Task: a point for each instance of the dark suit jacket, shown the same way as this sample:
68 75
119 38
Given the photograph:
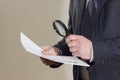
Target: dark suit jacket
103 29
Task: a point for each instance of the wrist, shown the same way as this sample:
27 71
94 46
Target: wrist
58 51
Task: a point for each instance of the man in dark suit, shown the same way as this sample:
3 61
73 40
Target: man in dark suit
95 37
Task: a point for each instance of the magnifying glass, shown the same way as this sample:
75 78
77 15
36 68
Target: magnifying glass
60 28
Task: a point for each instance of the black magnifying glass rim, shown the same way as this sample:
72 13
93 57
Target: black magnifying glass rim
63 25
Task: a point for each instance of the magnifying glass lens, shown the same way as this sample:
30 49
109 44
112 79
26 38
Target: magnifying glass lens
60 29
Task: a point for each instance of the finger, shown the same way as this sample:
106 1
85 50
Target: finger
44 47
74 43
71 44
47 51
71 38
75 54
68 39
73 49
50 51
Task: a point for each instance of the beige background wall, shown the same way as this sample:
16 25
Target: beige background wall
34 18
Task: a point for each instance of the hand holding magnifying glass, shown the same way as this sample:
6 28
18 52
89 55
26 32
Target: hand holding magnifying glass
78 44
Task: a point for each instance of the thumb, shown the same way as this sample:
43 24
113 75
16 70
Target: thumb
45 47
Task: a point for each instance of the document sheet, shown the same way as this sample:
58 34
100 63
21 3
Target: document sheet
33 48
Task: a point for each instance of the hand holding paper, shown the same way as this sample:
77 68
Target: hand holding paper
31 47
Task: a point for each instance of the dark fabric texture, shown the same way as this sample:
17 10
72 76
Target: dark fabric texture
103 29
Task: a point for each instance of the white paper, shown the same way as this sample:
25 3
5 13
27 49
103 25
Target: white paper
31 47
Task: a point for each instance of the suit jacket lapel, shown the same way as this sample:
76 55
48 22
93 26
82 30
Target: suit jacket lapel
76 11
81 5
102 3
